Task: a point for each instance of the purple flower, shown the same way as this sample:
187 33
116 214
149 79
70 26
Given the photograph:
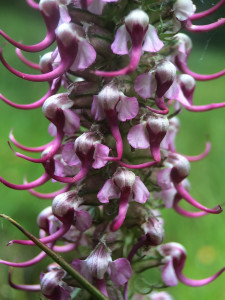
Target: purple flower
174 257
52 285
123 185
143 37
100 262
149 133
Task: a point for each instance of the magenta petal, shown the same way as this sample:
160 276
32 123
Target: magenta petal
83 220
120 271
119 46
101 152
81 267
85 57
108 191
152 42
69 155
141 193
72 121
127 108
97 110
138 137
145 85
168 274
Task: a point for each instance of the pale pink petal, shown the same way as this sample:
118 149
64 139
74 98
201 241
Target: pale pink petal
86 55
138 137
163 178
127 108
141 193
119 46
183 9
83 220
173 91
96 7
120 271
97 110
81 267
145 85
69 155
168 196
108 191
64 15
52 129
152 42
101 152
72 121
168 274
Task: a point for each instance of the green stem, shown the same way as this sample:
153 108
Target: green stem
59 260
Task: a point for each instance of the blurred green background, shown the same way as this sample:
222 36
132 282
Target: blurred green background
203 238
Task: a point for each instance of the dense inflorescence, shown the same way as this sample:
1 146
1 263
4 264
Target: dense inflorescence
123 65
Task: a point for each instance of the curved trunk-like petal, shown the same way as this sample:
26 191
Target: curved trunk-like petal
186 196
35 104
197 282
184 69
44 178
185 213
51 238
207 12
26 61
123 206
25 264
25 148
204 28
49 195
200 156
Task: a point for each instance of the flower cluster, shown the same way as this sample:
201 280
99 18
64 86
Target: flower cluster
121 67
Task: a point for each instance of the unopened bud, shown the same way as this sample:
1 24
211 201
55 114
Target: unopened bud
123 178
181 167
165 74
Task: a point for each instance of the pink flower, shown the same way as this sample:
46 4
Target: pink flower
123 185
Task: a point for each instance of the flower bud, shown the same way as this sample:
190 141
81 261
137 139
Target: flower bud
64 203
135 18
184 43
42 219
165 74
157 125
123 178
187 84
67 33
45 63
86 142
181 167
183 9
53 103
154 230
